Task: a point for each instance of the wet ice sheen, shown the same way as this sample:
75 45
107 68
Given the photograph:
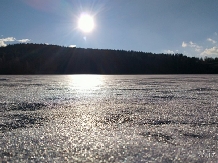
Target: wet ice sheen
97 118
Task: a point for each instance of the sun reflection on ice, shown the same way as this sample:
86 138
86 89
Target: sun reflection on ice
86 82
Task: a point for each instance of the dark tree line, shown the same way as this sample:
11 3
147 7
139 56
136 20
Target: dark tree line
53 59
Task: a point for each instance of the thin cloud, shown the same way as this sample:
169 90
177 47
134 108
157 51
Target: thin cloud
210 51
211 40
191 44
23 40
169 51
194 45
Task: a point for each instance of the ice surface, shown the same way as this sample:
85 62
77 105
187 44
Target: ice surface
106 118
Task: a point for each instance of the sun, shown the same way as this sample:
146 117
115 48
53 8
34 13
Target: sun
86 23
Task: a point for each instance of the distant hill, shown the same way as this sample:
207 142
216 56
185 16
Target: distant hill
53 59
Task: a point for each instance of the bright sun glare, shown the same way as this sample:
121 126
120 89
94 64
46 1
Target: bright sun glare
86 82
86 23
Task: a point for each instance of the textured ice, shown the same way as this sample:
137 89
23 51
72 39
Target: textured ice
97 118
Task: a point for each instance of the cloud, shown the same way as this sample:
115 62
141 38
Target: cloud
193 48
211 40
192 45
2 44
184 44
72 46
8 39
23 40
210 52
3 41
169 51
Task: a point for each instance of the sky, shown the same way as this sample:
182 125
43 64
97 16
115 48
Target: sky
189 27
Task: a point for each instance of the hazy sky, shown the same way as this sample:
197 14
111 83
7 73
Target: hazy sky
160 26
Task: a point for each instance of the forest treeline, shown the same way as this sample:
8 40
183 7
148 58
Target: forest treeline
53 59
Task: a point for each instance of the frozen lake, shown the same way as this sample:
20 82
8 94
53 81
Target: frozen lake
109 118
